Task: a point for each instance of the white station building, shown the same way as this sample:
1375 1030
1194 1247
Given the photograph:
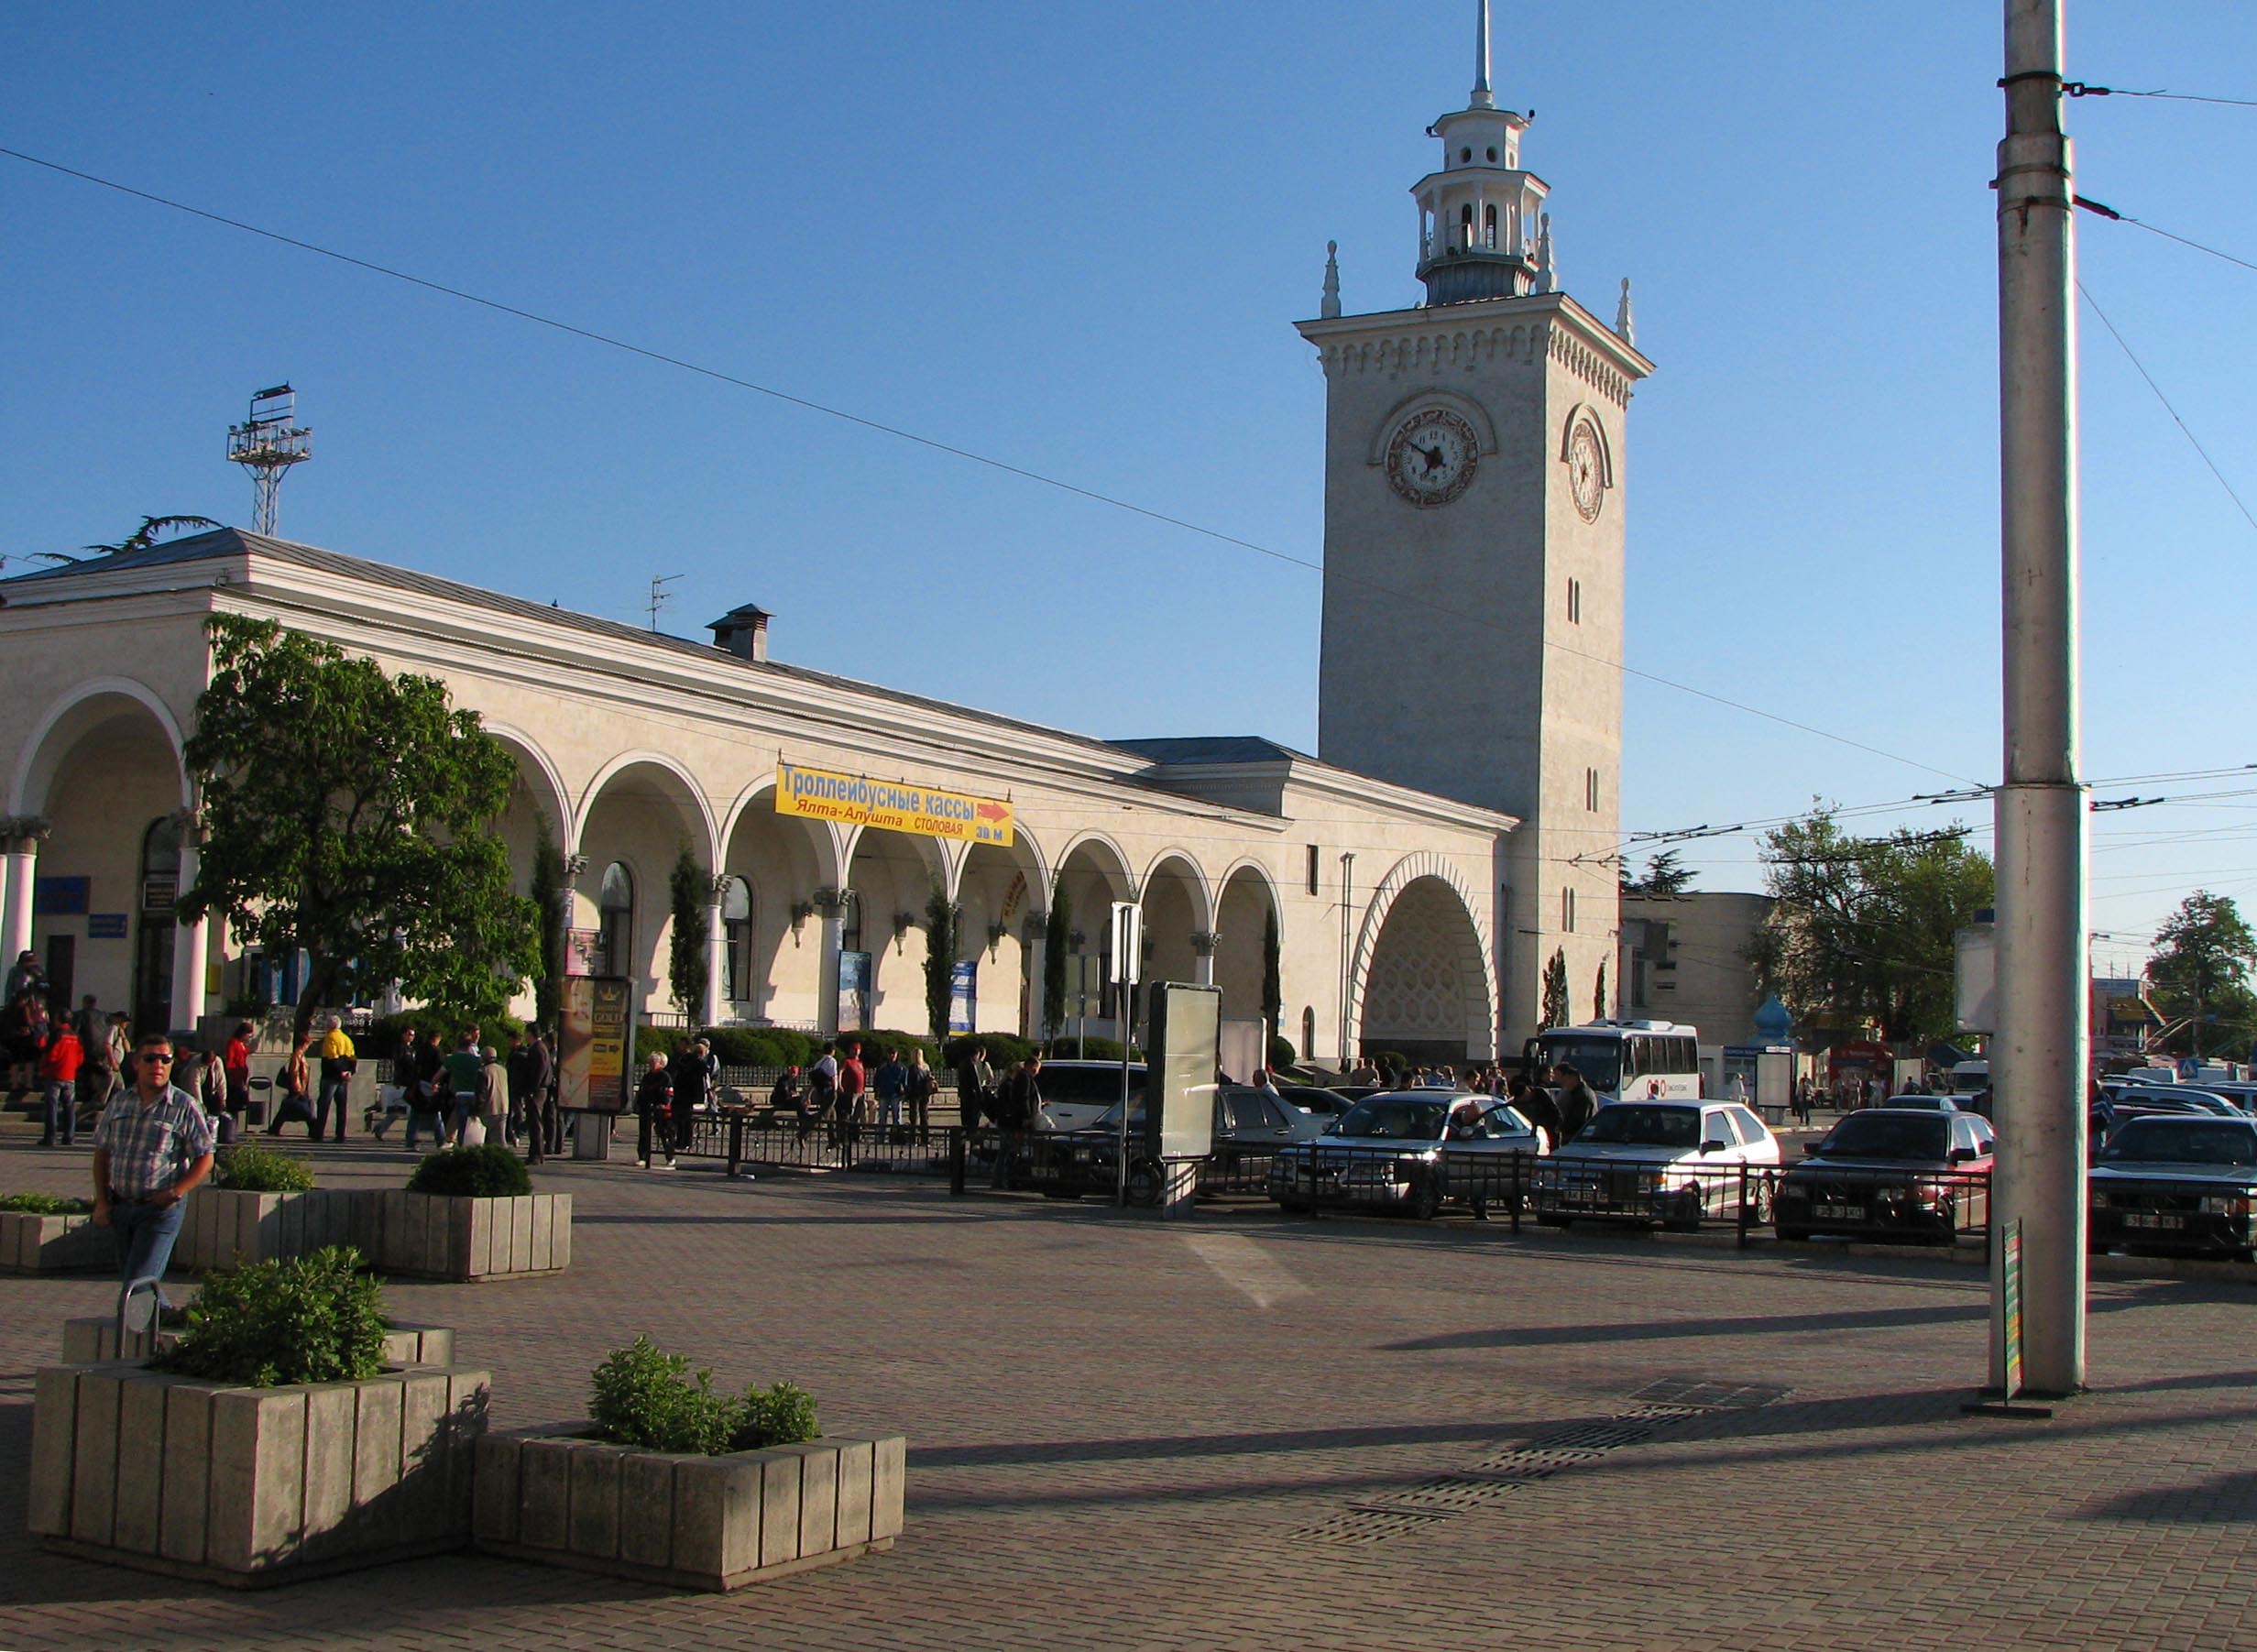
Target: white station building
1446 841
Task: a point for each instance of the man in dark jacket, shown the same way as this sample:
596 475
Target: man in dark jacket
1576 1101
1537 1106
530 1071
973 1076
655 1112
1017 1105
694 1070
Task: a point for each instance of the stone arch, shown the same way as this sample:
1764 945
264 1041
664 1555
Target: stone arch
891 875
1248 898
1178 911
537 797
638 810
1005 889
1432 977
1094 873
75 714
771 967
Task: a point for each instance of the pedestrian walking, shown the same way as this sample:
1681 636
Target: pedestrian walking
102 1056
296 1105
490 1110
58 1075
823 1092
235 1063
655 1112
462 1065
853 1092
152 1148
693 1071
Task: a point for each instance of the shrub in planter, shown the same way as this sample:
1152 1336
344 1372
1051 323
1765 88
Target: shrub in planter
45 1204
313 1318
642 1396
247 1168
491 1171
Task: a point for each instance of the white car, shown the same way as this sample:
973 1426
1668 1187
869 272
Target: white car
1675 1163
1076 1094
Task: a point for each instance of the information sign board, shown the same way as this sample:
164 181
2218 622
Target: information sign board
591 1054
1180 1055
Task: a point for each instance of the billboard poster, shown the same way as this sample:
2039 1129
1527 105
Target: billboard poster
591 1043
963 994
891 806
853 991
1179 1070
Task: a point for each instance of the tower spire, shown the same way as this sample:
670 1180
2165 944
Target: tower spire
1482 97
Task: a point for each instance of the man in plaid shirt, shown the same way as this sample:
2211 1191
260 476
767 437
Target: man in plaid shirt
152 1147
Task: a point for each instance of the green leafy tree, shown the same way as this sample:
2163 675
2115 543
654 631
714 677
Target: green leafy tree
2200 975
350 814
1862 928
940 943
1555 992
548 899
688 962
1057 934
1665 875
1273 990
1599 994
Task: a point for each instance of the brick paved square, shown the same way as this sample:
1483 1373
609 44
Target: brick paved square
1244 1432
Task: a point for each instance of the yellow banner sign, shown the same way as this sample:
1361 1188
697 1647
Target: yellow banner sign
891 805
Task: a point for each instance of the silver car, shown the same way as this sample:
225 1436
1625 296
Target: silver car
1414 1150
1674 1162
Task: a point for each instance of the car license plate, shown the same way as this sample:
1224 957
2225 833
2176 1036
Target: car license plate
2141 1219
1841 1213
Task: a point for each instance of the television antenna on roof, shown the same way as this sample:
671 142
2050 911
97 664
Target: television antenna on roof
266 444
660 595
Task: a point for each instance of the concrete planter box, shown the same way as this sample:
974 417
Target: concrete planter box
223 1227
399 1233
50 1245
472 1239
691 1522
251 1487
92 1340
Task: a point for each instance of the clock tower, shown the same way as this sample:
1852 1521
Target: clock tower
1473 517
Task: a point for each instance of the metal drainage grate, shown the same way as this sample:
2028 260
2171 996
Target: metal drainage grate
1710 1396
1417 1507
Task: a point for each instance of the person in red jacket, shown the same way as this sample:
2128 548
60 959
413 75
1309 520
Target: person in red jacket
58 1071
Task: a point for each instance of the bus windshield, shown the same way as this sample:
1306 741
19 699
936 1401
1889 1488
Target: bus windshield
1599 1060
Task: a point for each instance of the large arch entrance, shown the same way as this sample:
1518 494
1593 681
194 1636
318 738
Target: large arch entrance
1243 914
1422 984
890 879
638 815
1093 875
772 951
96 854
1001 899
1179 924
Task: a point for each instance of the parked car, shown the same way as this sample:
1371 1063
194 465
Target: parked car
1316 1098
1934 1104
1074 1093
1248 1127
1411 1149
1667 1161
1891 1170
2185 1183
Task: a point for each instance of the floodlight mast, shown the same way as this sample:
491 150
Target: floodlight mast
266 444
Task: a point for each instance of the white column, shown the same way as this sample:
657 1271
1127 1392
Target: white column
1032 954
717 956
826 965
190 946
23 854
1203 959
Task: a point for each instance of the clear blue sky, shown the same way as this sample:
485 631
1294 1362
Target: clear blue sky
1073 236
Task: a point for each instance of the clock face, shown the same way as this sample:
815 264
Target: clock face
1586 471
1431 459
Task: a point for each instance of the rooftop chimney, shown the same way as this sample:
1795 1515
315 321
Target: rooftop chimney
743 633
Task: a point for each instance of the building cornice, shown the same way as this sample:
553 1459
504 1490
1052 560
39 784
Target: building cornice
1438 336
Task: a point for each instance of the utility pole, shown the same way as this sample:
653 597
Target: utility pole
2038 1060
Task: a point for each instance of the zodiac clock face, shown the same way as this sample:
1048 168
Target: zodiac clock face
1586 471
1433 457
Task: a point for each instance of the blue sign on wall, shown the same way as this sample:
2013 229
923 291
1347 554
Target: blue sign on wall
60 897
963 994
105 926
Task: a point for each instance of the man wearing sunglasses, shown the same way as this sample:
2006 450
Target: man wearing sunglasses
152 1147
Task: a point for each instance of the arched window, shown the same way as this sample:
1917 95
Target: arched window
615 918
1465 224
737 931
1309 1033
1489 227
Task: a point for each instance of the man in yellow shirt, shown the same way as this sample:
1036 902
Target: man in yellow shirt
337 1068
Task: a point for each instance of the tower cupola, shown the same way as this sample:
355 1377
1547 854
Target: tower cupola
1481 217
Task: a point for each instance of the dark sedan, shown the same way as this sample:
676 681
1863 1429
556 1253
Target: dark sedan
1891 1172
2181 1183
